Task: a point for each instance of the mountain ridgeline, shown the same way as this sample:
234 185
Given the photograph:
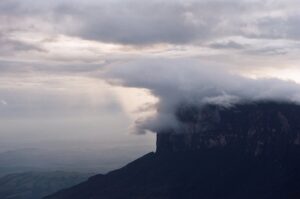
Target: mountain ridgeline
247 151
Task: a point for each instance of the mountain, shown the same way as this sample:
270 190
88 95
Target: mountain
265 128
35 185
247 151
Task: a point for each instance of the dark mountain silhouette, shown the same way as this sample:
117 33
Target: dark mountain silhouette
246 151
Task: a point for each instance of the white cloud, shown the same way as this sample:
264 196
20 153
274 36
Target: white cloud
175 82
53 50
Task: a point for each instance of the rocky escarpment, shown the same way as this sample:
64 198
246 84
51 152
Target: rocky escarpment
259 129
246 151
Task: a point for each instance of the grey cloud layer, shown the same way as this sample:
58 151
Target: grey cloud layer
178 22
146 22
11 46
33 33
32 104
192 82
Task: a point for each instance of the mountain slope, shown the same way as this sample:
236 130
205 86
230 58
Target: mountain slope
247 151
210 174
35 185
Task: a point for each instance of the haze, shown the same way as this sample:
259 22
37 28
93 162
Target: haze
82 75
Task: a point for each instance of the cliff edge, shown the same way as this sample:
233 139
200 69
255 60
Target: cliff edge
244 151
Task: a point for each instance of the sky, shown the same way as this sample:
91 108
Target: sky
91 71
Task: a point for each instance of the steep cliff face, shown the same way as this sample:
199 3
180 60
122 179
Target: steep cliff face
247 151
265 128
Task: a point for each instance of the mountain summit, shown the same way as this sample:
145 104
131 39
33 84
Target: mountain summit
258 129
244 151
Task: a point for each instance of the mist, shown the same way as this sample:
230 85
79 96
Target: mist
192 83
56 55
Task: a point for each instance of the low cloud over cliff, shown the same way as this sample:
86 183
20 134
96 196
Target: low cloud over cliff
193 83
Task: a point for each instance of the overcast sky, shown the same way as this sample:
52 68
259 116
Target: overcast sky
68 68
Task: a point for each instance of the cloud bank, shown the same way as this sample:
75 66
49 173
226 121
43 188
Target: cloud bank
50 49
133 22
192 83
